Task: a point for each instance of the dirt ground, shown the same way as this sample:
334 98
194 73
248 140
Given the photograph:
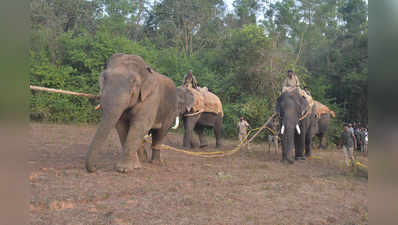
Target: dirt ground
249 187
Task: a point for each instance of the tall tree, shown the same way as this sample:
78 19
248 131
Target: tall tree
180 22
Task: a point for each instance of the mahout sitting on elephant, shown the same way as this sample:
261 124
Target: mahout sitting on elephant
298 124
136 100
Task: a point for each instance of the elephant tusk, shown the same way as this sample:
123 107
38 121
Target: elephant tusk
194 114
283 129
298 129
177 123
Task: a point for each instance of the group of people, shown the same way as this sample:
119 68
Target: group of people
353 137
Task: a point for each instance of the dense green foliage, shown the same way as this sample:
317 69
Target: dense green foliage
241 56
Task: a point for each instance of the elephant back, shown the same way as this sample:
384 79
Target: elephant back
206 101
323 109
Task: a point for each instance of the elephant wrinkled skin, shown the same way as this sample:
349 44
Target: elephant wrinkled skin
136 101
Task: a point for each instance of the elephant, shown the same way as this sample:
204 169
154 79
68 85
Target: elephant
325 114
298 125
322 128
197 121
136 101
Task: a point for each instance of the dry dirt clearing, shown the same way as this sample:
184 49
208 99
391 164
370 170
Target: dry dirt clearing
249 187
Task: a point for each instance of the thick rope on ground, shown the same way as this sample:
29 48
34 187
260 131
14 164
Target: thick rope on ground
219 153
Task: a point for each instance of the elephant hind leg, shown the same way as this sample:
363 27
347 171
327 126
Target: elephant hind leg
158 136
218 131
299 142
308 144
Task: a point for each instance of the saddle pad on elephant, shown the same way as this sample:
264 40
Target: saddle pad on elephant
206 101
323 109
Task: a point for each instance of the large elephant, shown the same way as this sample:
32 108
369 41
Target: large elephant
197 121
298 125
135 100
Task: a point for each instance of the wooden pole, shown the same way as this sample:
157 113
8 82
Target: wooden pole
63 92
261 128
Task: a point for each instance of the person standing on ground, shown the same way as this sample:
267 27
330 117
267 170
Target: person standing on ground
243 126
348 142
273 138
364 140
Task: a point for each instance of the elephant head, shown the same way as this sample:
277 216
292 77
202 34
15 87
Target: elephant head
290 107
185 102
126 81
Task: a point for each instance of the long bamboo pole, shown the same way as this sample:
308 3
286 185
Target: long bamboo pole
62 91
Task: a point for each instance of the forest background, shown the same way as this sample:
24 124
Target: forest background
241 50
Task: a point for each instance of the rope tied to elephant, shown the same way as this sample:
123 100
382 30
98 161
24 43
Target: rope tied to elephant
167 147
220 153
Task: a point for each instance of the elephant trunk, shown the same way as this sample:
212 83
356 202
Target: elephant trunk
289 128
287 132
110 116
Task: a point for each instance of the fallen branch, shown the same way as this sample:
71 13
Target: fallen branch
63 92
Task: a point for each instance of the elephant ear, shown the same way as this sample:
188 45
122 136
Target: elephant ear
148 86
302 104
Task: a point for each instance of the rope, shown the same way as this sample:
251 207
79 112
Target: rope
309 109
218 153
166 147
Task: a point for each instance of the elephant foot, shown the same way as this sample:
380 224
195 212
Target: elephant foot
91 167
127 165
300 158
287 161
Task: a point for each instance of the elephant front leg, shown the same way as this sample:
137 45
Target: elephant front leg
189 124
202 138
299 145
130 158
